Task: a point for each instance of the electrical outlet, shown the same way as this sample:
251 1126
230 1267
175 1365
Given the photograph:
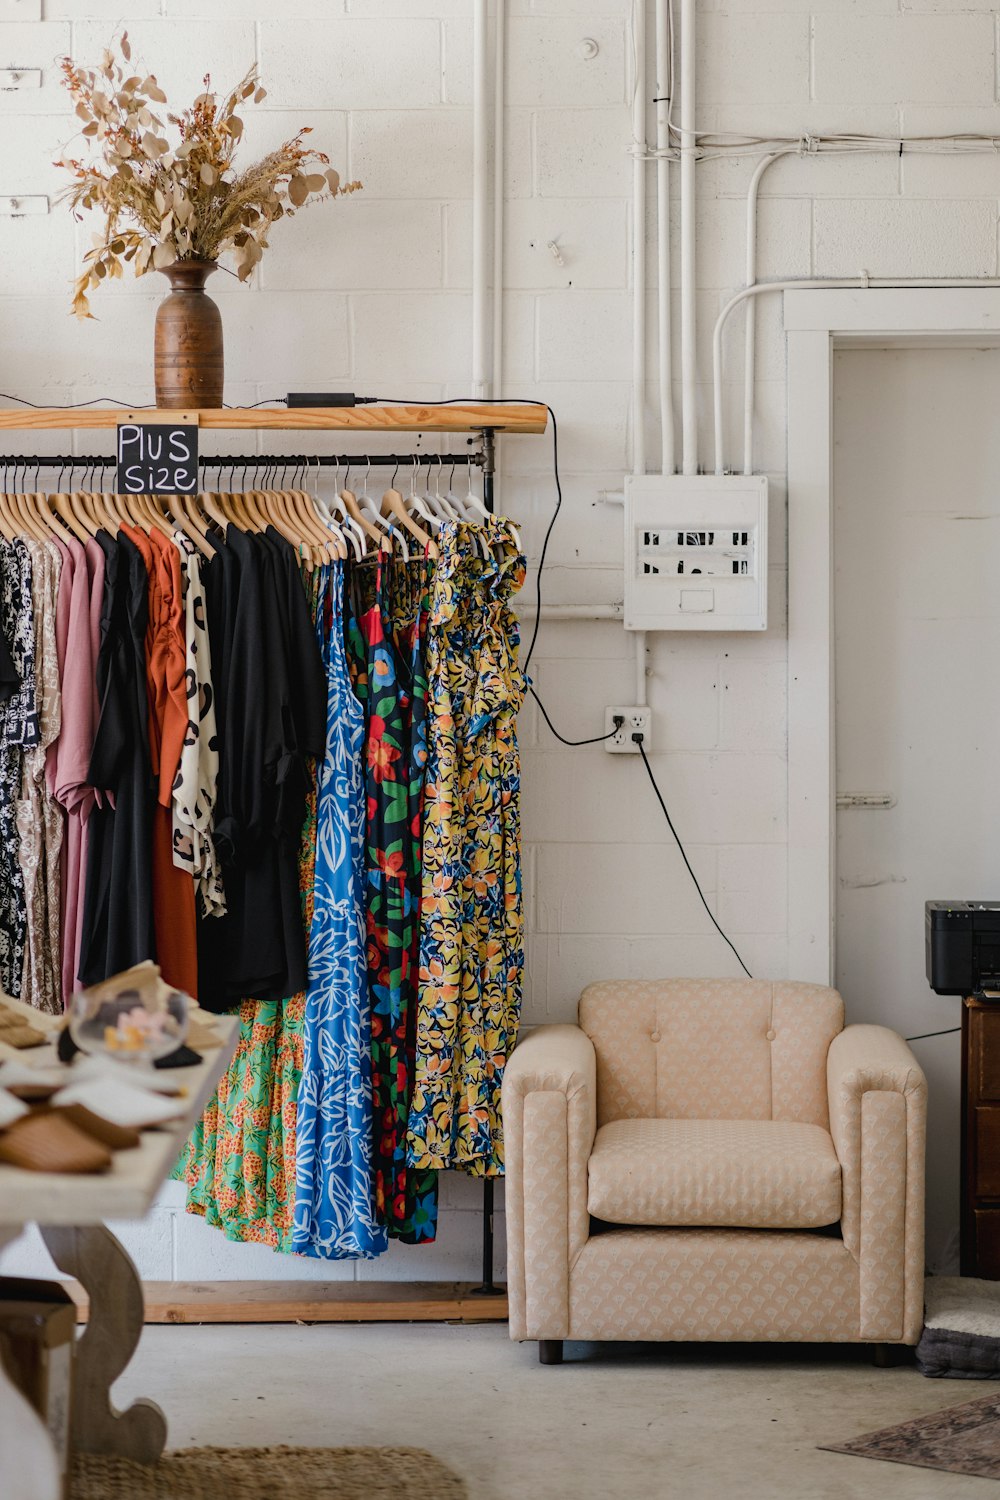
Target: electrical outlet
636 721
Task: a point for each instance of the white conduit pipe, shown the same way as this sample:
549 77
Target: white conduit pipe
480 198
499 117
668 461
640 669
806 285
639 238
689 364
527 611
750 331
639 146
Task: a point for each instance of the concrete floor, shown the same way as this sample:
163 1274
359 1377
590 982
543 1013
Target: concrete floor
643 1422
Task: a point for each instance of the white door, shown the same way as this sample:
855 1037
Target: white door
917 668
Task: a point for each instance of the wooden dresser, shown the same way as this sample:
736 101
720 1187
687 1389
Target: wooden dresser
981 1138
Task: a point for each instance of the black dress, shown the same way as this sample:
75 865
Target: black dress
117 929
273 716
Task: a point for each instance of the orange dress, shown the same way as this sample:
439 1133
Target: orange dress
166 694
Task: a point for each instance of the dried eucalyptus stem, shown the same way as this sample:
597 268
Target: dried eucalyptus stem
184 201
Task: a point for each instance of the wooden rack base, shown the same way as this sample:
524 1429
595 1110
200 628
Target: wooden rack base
314 1302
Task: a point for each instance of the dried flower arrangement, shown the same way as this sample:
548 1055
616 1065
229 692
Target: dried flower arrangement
168 203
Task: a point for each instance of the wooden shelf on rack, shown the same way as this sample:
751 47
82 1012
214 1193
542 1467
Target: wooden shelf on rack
508 418
313 1302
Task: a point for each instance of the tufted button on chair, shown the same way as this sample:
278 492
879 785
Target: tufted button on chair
716 1160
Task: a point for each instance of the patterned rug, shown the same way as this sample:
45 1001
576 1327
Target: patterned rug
960 1440
270 1474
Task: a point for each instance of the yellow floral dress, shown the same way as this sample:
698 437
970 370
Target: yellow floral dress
472 925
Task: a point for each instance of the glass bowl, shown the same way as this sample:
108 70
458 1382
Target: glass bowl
133 1017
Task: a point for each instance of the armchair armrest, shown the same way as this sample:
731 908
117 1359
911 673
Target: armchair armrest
549 1105
878 1116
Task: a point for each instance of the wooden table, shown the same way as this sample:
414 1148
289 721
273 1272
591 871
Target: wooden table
70 1210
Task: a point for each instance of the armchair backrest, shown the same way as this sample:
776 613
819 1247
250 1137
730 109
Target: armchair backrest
711 1049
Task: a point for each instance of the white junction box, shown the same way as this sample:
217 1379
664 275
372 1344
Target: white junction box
695 552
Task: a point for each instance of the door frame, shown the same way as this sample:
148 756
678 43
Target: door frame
817 322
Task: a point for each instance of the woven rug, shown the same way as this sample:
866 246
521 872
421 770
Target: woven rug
961 1440
270 1474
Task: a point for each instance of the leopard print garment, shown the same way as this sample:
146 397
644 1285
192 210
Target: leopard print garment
197 774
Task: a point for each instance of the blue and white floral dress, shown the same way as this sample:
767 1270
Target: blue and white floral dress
334 1199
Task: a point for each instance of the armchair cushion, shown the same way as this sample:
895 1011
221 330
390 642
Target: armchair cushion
745 1174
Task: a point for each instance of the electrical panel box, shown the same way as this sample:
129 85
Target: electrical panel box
695 552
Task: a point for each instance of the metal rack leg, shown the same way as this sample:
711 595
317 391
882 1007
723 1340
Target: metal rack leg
489 467
488 1288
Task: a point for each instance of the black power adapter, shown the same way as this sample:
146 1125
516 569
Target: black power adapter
327 398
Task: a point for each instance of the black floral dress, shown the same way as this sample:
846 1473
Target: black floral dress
19 731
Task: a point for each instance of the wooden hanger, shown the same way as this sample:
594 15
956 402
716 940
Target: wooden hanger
44 516
30 526
81 502
191 507
290 526
8 524
328 545
392 504
224 500
257 515
186 526
64 510
159 515
55 519
209 502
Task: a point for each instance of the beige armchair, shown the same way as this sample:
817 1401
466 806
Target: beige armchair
714 1160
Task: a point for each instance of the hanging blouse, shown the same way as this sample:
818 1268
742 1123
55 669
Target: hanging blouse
195 785
117 927
166 720
18 732
38 817
334 1197
274 720
472 945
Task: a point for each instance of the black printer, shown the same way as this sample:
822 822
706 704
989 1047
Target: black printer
962 946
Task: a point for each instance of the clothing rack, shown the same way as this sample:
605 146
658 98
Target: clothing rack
484 459
485 421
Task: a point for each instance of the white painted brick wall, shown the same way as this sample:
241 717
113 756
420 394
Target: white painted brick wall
373 294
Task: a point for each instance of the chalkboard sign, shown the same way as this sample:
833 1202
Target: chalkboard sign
157 458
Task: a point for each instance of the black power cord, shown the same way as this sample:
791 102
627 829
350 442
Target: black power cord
73 405
948 1031
637 740
598 739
